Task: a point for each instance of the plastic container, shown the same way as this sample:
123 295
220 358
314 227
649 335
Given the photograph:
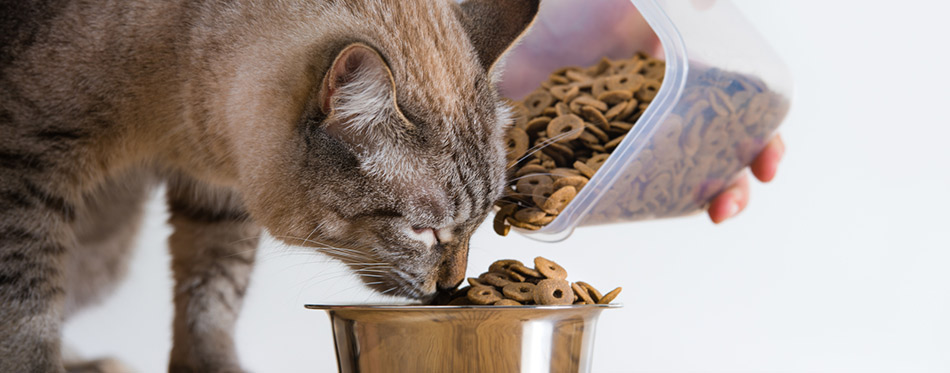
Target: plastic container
723 96
550 339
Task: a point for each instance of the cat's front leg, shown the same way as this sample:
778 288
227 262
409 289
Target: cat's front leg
213 248
34 240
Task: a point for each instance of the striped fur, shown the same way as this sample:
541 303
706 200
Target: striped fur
243 110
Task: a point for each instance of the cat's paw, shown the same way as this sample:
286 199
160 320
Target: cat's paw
104 365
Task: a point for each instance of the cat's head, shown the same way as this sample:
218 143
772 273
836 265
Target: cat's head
398 154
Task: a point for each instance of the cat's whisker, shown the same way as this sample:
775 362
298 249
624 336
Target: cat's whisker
539 147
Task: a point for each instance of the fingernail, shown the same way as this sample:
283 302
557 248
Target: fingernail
732 209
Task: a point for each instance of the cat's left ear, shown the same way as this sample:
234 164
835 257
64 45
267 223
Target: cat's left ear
494 25
358 76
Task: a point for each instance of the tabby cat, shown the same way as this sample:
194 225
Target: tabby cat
370 128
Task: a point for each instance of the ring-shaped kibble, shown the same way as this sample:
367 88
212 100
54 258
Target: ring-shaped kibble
541 193
565 128
582 101
584 169
625 82
520 224
520 291
519 114
530 169
577 182
614 143
598 132
558 200
537 101
562 172
595 116
498 279
599 86
561 91
531 215
600 68
582 293
615 97
562 109
524 270
527 184
517 277
500 226
506 302
483 295
503 265
609 297
563 150
648 90
475 282
537 125
516 141
632 106
596 161
549 269
554 154
593 292
553 292
615 111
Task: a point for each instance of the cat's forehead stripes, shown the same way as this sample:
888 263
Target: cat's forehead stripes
431 58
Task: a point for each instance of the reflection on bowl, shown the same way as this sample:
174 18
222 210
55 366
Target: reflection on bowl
464 338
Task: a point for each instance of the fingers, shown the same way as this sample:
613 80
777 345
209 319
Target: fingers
731 201
765 165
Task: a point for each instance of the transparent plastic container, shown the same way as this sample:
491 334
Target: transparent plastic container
722 98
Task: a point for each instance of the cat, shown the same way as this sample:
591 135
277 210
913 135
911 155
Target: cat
370 130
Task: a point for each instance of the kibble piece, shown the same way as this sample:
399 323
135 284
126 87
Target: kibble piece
517 143
506 302
537 101
609 297
503 265
582 293
531 215
594 294
553 292
577 182
565 127
549 269
497 279
558 200
522 292
529 272
483 295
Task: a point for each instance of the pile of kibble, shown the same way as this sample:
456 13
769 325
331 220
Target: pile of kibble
509 282
564 132
566 129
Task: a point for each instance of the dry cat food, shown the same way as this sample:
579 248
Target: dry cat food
509 282
565 131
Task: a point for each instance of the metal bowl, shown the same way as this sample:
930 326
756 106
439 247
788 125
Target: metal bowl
464 338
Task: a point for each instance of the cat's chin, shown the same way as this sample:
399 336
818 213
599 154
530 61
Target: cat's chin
398 288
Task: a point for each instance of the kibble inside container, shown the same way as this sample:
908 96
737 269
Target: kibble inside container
723 95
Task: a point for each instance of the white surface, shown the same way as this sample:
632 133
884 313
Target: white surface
841 264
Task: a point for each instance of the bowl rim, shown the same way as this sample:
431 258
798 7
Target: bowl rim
419 307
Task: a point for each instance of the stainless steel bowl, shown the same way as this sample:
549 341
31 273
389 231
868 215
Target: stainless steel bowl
464 338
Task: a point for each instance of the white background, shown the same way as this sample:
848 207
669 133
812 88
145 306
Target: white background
841 264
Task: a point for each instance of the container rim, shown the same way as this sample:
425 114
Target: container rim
393 307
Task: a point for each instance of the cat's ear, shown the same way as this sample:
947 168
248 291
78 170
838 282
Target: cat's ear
358 76
494 25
